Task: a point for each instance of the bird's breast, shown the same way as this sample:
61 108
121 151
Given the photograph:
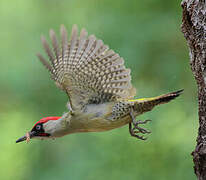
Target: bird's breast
95 118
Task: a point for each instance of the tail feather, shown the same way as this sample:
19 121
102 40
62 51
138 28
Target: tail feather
167 97
147 104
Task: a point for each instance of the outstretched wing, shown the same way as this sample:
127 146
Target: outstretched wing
86 69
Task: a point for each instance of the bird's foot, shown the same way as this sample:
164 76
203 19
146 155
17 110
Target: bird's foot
134 131
140 129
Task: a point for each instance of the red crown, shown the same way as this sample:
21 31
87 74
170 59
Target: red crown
46 119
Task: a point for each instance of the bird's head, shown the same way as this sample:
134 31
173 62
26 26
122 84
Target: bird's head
42 129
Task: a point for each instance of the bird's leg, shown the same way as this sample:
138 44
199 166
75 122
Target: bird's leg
136 127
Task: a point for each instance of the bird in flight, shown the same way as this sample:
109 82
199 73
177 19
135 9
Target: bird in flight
101 96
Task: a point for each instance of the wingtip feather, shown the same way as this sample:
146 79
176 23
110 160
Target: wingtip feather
55 44
44 62
63 29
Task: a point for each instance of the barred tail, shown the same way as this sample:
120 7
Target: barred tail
146 104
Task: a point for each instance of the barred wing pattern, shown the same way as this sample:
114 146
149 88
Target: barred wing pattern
86 69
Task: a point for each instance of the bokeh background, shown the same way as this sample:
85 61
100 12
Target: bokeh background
147 34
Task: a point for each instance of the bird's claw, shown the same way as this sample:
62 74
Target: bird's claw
135 123
140 129
134 131
143 122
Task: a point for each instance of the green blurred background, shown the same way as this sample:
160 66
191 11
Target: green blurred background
147 34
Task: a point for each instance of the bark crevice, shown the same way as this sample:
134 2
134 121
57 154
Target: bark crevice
194 30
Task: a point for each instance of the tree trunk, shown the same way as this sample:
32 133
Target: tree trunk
194 30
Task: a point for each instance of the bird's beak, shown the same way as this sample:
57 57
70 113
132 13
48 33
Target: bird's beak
23 138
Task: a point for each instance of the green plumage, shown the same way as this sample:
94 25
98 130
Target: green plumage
97 83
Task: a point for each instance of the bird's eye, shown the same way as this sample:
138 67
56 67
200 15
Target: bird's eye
38 127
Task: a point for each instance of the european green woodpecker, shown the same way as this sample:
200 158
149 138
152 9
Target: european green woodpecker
98 87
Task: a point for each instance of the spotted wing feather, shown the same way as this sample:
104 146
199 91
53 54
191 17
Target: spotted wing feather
86 69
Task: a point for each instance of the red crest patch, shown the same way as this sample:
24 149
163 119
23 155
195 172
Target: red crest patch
46 119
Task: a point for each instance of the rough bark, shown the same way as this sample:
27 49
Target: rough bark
194 30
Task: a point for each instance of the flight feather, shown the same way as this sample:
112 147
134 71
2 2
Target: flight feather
86 69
